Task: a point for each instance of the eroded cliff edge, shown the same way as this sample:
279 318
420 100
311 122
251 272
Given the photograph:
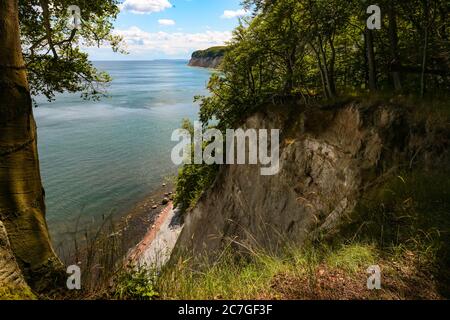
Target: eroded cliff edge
329 158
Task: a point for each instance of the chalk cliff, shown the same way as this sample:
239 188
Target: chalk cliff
328 158
209 58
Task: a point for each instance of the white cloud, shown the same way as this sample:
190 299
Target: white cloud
166 22
230 14
145 6
178 44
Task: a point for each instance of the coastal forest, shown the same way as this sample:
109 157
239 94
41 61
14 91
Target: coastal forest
360 91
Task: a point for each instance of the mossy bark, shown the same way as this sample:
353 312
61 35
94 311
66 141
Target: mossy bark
12 282
22 208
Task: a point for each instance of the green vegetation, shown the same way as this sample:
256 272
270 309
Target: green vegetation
411 211
212 52
135 285
403 226
52 53
315 51
310 273
16 293
308 49
192 179
41 55
322 50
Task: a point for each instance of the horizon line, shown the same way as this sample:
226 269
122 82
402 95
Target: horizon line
122 60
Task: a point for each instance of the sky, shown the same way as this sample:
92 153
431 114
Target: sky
171 29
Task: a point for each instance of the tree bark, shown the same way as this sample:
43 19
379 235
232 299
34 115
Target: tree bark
11 276
393 39
368 35
426 9
332 67
22 208
328 69
321 70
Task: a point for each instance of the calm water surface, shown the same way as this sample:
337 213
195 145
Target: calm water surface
103 157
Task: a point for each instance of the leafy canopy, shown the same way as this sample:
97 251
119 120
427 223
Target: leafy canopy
53 52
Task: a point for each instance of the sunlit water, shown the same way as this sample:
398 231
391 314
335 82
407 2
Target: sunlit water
103 157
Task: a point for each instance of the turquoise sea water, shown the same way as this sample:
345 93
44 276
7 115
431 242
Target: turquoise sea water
100 157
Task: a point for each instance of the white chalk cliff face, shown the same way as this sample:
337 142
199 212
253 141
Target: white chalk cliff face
206 62
209 58
327 159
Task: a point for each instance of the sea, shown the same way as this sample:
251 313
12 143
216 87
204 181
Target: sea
100 158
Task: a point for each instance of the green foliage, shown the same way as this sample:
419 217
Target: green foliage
304 49
228 278
402 225
135 285
52 52
191 182
192 179
213 52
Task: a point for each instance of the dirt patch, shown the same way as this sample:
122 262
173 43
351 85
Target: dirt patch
405 280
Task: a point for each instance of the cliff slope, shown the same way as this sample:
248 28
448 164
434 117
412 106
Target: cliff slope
209 58
328 159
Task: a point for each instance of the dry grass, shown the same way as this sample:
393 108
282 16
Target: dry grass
403 226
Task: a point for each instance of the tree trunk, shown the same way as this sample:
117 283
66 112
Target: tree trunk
326 69
290 62
332 68
393 39
22 208
321 70
426 10
11 277
368 35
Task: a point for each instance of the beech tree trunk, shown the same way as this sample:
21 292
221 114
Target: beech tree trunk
368 35
426 9
22 208
395 54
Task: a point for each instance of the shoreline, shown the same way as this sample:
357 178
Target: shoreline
137 222
155 249
110 245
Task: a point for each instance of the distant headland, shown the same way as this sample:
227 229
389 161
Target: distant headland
209 58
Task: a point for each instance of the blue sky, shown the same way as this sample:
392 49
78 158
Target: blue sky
171 29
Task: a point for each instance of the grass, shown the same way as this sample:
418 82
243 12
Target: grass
313 273
137 285
352 258
402 225
410 213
